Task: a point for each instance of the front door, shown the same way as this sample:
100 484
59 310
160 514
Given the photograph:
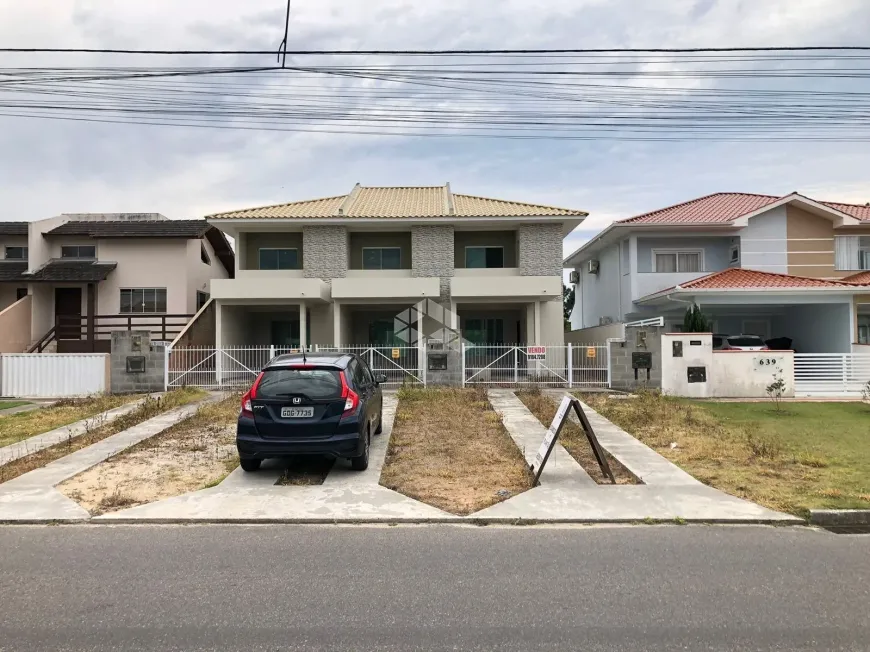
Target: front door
68 311
285 333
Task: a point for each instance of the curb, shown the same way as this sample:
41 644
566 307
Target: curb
842 517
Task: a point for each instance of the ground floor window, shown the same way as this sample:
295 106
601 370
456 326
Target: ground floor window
484 331
143 300
201 299
285 332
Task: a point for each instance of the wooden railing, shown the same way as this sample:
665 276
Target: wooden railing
100 327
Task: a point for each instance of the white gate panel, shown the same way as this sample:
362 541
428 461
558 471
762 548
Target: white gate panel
831 374
53 375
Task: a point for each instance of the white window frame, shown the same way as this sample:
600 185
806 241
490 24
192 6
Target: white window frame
8 247
79 246
381 249
484 246
700 252
864 258
134 312
260 251
734 254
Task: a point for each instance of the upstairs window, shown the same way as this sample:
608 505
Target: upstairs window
484 257
864 258
669 262
735 254
279 259
381 258
203 254
16 253
78 251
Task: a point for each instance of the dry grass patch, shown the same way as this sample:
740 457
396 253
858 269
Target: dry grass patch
15 427
99 430
196 453
306 471
803 456
574 439
449 449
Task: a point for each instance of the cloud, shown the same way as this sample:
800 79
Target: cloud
48 167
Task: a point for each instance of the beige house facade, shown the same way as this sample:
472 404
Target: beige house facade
80 276
392 266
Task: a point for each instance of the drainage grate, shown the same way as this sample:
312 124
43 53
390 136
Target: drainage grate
848 529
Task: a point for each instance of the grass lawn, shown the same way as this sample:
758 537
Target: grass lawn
148 409
450 449
574 439
15 427
5 405
804 456
195 453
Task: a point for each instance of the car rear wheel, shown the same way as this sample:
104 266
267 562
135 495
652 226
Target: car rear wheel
250 465
361 463
380 427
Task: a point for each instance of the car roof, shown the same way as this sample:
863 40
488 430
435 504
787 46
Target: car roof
320 358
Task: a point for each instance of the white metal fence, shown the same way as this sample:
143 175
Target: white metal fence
560 365
53 375
831 374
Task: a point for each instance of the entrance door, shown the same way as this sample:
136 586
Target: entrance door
285 333
68 309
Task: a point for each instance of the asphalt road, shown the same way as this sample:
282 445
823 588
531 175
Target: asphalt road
432 588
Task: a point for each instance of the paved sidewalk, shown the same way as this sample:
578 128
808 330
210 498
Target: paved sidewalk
345 496
30 407
32 497
37 443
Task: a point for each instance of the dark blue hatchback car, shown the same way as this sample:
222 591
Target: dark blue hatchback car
316 404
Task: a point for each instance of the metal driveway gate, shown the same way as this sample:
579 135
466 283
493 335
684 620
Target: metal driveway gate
831 374
557 366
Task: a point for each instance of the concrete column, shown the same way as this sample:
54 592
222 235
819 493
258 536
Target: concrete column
454 316
537 335
336 324
241 252
303 325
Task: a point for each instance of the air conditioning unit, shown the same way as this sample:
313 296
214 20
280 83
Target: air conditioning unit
592 266
574 277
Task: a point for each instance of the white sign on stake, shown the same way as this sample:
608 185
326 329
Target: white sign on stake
564 406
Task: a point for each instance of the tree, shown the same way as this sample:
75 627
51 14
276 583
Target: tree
695 321
568 297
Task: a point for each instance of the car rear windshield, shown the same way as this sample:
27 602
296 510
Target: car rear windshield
745 341
313 383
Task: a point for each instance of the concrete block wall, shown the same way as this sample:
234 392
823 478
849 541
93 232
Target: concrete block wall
540 250
432 254
326 252
621 371
136 343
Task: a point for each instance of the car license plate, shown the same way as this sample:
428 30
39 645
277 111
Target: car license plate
297 413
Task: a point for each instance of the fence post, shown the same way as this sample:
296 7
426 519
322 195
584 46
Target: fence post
609 344
463 364
516 365
570 366
271 351
168 353
218 366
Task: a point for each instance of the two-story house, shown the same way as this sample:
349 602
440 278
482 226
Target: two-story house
380 265
778 267
66 282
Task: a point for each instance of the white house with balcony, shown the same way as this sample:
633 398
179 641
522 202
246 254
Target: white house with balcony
788 268
381 265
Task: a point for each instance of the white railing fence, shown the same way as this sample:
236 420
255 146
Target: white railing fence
562 365
831 374
53 375
491 364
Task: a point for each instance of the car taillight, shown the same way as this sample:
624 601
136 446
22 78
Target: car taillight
351 398
247 408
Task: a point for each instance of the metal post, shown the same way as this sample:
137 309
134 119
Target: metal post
271 352
609 378
463 364
168 353
218 366
516 366
570 366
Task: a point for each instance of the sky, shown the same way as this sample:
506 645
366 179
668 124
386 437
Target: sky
49 167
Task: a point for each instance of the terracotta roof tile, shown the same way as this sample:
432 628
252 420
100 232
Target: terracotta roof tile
400 202
724 207
750 279
861 278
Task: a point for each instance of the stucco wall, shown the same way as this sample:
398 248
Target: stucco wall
253 241
147 263
507 240
199 275
433 253
15 326
201 331
400 239
540 249
39 248
326 252
8 293
321 331
820 328
600 292
764 244
595 334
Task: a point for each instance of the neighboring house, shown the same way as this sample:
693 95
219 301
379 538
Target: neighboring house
87 274
357 265
13 262
756 264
